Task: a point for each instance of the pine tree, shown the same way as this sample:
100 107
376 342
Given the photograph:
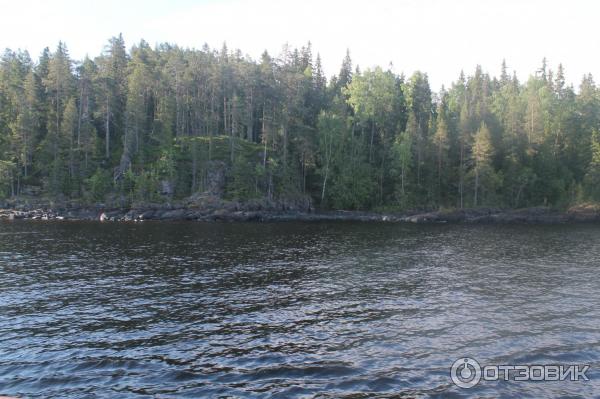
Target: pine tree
419 100
59 86
482 153
403 159
173 115
440 139
345 76
68 144
592 177
113 80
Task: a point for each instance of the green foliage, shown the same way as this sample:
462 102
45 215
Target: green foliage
401 168
155 124
146 187
99 185
371 94
127 186
347 177
354 187
7 170
484 177
592 177
244 179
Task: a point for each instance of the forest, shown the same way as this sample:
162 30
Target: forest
151 125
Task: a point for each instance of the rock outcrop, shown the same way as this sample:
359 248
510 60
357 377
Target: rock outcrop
213 209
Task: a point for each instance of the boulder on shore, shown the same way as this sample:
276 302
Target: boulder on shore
266 211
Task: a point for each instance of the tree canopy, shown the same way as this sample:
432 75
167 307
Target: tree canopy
152 124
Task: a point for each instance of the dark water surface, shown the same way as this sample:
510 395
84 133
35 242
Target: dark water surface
90 310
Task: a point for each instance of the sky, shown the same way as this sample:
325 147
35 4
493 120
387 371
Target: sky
438 37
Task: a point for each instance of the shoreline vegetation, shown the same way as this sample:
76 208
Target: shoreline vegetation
280 212
207 134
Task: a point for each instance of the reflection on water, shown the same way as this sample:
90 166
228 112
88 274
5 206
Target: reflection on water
292 310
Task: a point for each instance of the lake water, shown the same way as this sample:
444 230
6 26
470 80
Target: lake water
327 310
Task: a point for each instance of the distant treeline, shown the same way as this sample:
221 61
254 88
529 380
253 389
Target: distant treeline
154 125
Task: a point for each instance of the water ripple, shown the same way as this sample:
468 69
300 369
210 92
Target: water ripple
321 310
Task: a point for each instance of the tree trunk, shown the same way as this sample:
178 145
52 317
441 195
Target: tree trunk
250 127
26 145
328 159
265 137
12 184
382 172
402 169
57 137
107 129
71 156
371 145
461 177
519 192
419 151
476 186
285 146
194 165
440 169
303 172
177 106
79 116
225 115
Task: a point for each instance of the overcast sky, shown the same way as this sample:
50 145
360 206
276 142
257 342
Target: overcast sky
435 36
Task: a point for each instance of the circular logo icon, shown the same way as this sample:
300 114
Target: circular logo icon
465 372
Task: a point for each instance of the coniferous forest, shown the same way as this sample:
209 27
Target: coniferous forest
152 125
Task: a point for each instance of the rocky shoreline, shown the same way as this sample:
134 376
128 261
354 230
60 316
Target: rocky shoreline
235 213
